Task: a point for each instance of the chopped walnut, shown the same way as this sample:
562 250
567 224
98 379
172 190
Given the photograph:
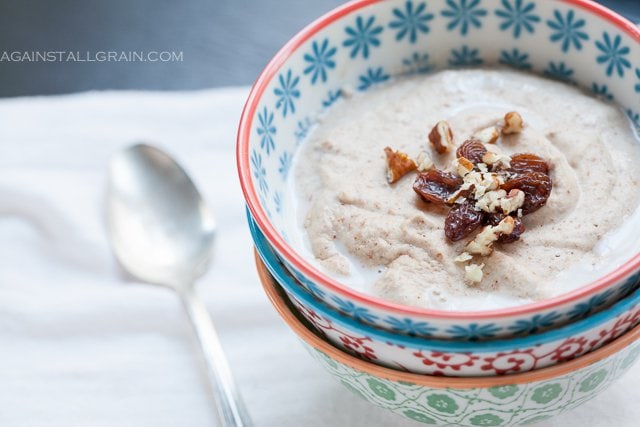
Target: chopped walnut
424 162
463 257
491 201
512 123
483 242
441 137
398 165
497 161
482 182
487 136
462 166
473 272
512 202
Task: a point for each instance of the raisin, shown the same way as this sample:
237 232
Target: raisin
462 220
526 162
519 228
536 186
436 186
472 150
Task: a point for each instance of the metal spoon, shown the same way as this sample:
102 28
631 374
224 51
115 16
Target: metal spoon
162 232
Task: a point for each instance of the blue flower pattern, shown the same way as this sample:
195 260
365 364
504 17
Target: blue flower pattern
464 14
567 30
320 61
302 129
411 21
363 36
592 306
602 91
519 15
465 57
515 59
613 54
332 97
409 327
259 171
266 130
417 63
408 24
559 71
287 92
359 313
537 323
285 164
372 77
474 331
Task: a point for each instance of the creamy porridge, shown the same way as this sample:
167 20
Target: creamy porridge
385 240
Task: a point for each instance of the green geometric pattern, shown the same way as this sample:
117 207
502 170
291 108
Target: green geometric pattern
495 406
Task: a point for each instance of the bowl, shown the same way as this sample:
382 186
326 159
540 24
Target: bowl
368 43
452 358
518 399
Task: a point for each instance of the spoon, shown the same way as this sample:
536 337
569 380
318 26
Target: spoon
162 232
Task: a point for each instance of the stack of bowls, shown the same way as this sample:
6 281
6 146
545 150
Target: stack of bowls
516 365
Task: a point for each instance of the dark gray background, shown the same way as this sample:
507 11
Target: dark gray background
224 42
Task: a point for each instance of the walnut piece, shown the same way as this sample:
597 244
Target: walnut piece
487 136
512 202
497 161
483 242
398 165
473 272
512 123
463 166
463 257
441 137
424 162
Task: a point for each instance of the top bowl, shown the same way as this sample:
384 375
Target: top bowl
367 43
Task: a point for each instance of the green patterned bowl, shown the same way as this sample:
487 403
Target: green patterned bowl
483 401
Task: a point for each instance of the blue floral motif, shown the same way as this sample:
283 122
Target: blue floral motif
302 129
266 130
613 54
474 332
363 37
332 97
285 164
630 285
465 57
559 71
417 63
409 327
360 314
287 92
314 289
464 14
637 87
411 21
515 59
277 202
635 118
259 172
320 61
602 91
584 309
372 77
538 323
518 15
567 31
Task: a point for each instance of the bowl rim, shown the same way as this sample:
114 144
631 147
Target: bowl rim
271 289
312 272
279 273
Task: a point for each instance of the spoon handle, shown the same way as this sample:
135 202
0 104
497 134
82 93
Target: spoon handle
231 409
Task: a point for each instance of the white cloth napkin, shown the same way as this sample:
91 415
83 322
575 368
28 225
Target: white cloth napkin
81 345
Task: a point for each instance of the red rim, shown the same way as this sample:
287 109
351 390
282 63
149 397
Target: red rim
242 157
